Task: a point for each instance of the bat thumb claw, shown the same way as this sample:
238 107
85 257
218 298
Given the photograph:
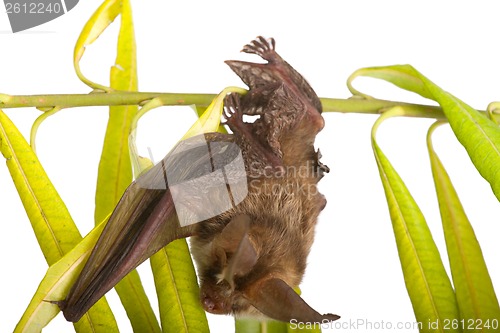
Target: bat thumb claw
331 317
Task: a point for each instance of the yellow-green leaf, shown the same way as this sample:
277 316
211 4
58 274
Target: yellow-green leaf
428 285
247 326
272 326
493 110
98 22
115 170
177 289
136 303
54 228
479 135
402 76
476 297
56 284
210 119
257 326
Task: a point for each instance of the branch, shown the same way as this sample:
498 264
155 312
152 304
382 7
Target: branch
99 98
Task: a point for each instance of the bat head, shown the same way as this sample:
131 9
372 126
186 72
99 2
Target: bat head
233 282
223 264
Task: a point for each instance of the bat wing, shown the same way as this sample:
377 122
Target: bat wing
160 206
274 298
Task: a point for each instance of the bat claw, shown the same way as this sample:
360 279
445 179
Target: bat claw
262 47
232 113
331 317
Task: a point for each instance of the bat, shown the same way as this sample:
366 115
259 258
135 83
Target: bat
247 200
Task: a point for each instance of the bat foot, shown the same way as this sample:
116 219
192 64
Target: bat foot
321 168
233 117
262 47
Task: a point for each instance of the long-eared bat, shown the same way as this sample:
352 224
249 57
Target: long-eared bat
248 200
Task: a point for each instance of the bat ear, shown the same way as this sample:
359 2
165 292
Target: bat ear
277 300
234 240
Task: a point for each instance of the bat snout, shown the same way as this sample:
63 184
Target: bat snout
214 305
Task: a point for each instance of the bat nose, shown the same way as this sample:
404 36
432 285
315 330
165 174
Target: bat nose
213 304
208 304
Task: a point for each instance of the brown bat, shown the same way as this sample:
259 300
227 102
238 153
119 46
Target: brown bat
248 200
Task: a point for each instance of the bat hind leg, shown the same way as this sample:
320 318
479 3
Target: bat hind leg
262 47
233 115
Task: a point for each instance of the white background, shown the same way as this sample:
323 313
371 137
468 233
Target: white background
354 268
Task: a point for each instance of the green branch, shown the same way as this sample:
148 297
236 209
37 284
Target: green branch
101 99
98 98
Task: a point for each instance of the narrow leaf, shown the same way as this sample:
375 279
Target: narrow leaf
115 170
210 119
247 326
493 111
177 289
402 76
54 228
428 285
56 284
98 22
479 135
476 297
312 328
136 304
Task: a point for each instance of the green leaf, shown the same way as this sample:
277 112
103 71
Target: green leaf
248 326
479 135
54 228
177 289
115 170
209 121
493 111
98 22
474 289
313 328
55 286
38 121
257 326
136 304
402 76
428 285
